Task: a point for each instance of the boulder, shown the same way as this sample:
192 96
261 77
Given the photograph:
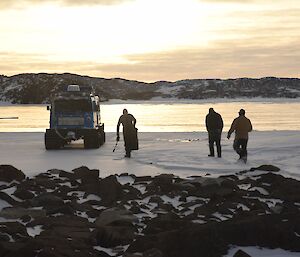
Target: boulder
47 200
266 167
110 190
19 212
9 173
5 197
16 230
241 253
114 215
163 183
23 194
115 227
85 174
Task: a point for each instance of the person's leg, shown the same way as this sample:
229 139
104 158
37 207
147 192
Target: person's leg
244 149
211 145
218 143
237 146
128 152
127 147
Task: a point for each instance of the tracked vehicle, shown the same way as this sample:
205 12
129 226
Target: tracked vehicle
74 115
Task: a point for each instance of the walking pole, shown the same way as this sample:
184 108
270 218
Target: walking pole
115 146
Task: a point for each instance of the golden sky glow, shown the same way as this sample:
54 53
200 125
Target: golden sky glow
150 40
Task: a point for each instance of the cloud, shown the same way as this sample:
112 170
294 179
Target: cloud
224 59
254 44
7 4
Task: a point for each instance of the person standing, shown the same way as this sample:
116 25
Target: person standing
242 126
214 127
129 132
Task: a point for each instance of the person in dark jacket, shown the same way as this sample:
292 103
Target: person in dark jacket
129 132
242 126
214 126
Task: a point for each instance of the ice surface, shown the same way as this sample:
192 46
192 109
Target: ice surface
183 154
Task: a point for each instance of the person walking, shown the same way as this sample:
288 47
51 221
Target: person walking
129 132
242 126
214 127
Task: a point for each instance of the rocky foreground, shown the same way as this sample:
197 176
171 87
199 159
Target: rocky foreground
77 214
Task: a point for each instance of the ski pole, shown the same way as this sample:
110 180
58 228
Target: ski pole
115 146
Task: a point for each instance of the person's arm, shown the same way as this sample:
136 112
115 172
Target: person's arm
118 129
206 123
221 123
250 126
133 120
232 128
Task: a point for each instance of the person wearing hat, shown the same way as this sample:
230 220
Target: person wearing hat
241 126
129 132
214 126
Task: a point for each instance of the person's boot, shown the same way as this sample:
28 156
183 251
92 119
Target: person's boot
211 150
244 157
219 151
128 154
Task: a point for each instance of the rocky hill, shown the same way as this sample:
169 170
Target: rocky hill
37 88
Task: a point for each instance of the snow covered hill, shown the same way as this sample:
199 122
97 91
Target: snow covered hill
37 88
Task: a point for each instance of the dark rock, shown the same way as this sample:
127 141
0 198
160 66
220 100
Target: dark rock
85 174
142 179
9 173
186 186
46 200
130 193
8 199
15 229
241 253
287 189
110 190
113 215
165 222
19 212
65 210
228 215
3 237
163 183
266 167
93 213
65 174
31 185
23 194
45 182
26 218
115 227
154 252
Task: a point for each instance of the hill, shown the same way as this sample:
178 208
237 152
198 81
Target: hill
37 88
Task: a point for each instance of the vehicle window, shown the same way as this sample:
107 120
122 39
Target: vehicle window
80 105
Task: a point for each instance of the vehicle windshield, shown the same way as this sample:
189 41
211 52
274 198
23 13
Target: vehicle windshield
78 105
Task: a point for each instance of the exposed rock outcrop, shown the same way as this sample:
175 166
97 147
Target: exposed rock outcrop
77 213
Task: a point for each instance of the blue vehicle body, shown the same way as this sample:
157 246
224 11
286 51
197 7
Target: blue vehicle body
75 115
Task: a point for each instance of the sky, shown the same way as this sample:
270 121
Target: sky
151 40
